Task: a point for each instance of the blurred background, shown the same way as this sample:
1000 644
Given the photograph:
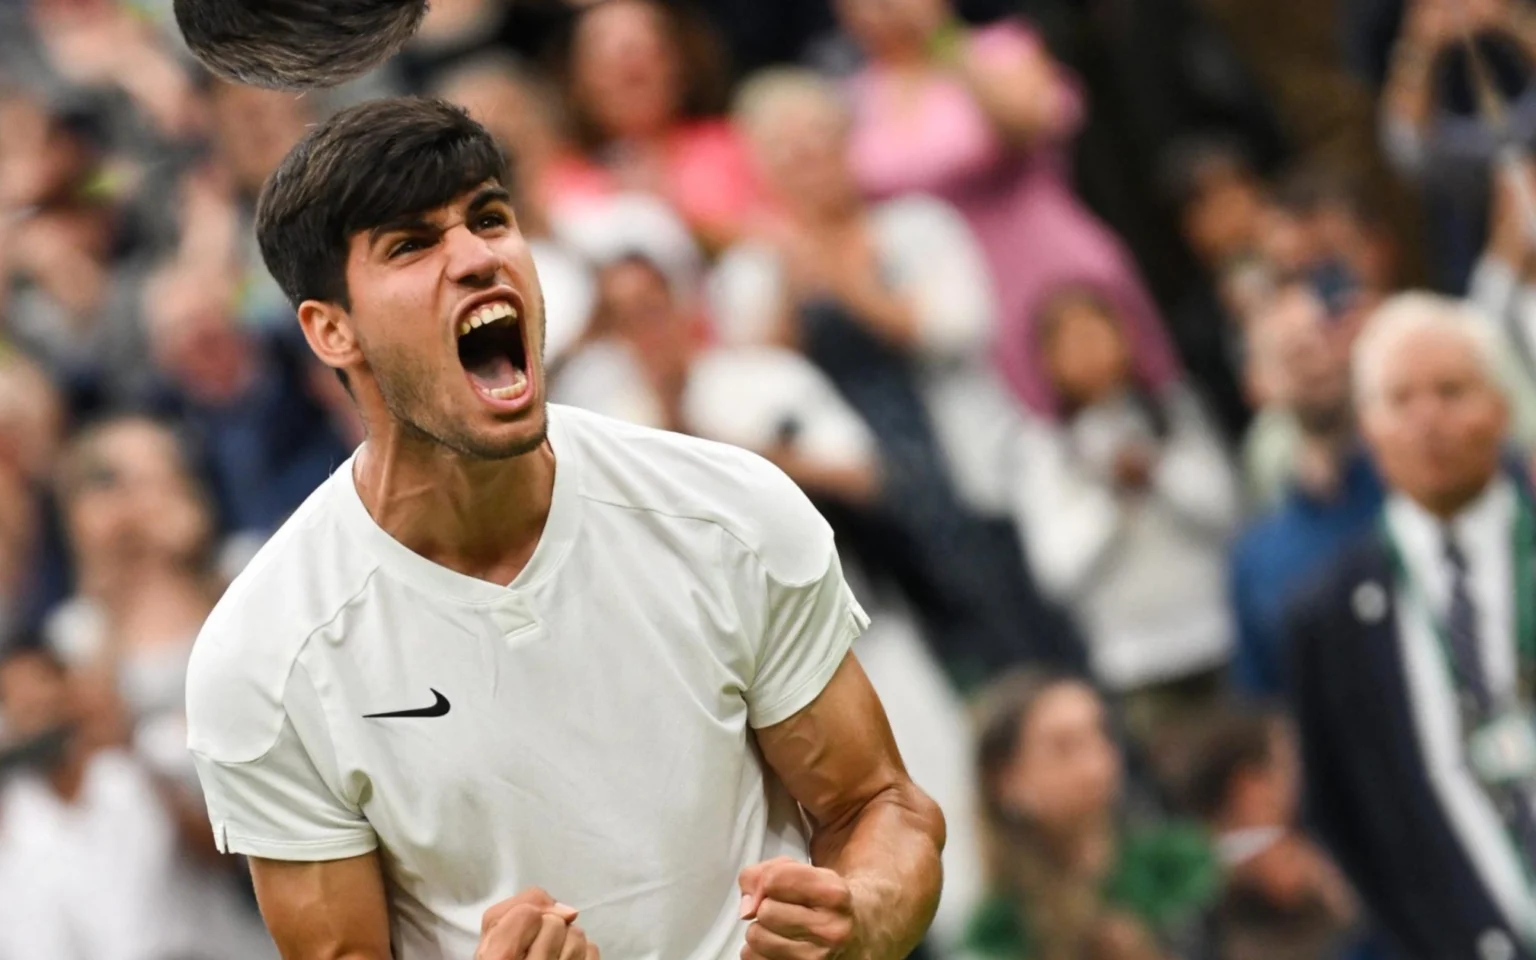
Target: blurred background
1048 304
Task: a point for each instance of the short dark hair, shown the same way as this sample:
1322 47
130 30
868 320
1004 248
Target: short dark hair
366 166
296 44
1236 741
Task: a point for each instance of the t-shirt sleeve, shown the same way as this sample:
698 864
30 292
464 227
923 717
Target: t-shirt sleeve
285 802
802 613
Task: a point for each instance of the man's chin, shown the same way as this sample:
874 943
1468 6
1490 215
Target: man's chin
506 440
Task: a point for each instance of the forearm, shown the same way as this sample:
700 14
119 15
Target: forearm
889 855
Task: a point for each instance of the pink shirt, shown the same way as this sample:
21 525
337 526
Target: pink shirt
1037 236
707 177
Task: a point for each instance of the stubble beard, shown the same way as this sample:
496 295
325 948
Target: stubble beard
405 382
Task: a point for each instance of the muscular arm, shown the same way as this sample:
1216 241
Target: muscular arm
872 825
326 910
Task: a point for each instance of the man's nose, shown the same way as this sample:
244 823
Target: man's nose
471 259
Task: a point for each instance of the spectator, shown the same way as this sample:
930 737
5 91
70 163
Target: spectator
644 81
1125 505
1068 880
243 396
907 271
34 573
1412 657
72 254
983 118
1433 126
253 129
892 303
1220 203
1282 899
99 857
1328 490
141 537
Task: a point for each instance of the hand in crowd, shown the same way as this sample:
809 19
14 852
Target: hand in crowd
1432 24
1132 467
532 926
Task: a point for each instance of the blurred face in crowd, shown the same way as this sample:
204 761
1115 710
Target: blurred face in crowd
1085 351
41 161
1299 360
801 145
1066 772
129 502
514 110
626 68
256 128
1222 220
892 27
636 304
1433 417
31 418
34 696
195 337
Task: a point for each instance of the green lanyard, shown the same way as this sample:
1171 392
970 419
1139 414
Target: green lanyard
1523 543
1524 586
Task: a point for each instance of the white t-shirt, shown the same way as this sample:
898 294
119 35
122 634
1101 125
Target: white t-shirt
596 740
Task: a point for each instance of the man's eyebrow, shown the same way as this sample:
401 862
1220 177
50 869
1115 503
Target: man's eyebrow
490 195
399 224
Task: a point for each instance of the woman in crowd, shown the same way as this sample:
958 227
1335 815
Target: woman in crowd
1125 502
1068 880
984 119
140 532
643 80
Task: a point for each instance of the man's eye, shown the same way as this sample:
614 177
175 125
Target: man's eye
488 221
406 246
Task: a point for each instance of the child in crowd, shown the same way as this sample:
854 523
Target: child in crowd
1125 503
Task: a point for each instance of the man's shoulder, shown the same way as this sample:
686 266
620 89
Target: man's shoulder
668 474
301 579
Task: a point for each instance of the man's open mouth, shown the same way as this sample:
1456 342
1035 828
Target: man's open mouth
492 350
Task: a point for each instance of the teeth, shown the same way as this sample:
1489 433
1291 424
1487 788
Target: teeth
488 314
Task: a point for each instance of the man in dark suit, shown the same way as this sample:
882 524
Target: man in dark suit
1414 659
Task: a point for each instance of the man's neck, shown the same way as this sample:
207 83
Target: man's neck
481 518
1448 505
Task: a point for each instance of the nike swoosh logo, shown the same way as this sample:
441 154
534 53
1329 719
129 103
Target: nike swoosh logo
438 709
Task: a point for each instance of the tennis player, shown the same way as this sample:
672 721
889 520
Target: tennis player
520 681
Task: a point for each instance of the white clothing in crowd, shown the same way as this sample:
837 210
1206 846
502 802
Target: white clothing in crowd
926 252
105 877
1143 571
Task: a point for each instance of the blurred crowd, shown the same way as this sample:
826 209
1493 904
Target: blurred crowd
1085 322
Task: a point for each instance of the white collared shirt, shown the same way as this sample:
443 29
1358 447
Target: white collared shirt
1483 531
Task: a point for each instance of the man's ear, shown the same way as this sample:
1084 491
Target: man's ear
328 328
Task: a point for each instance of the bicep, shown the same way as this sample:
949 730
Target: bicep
324 910
837 753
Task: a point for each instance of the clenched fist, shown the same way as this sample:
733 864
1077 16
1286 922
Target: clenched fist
532 926
801 912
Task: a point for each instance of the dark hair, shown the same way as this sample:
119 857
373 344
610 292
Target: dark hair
1312 188
364 167
1187 165
1236 741
296 44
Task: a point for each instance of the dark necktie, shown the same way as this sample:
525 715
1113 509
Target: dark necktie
1476 700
